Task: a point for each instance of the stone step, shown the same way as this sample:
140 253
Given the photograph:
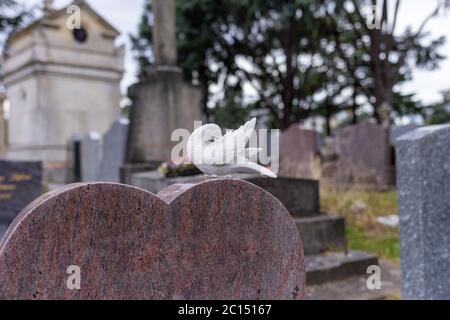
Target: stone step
355 288
334 266
322 233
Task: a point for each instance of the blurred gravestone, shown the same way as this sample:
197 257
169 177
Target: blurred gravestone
364 155
2 128
75 152
299 153
91 155
423 181
20 183
217 239
113 155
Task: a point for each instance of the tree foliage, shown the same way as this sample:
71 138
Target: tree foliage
440 112
11 18
297 58
377 60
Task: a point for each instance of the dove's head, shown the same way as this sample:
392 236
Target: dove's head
199 139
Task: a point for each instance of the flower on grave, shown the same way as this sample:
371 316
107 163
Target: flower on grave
178 169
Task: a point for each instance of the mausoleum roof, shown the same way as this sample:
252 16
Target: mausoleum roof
53 14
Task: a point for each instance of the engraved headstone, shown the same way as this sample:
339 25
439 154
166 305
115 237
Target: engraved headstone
217 239
20 183
423 182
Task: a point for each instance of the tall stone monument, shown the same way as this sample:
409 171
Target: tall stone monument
423 181
162 102
61 80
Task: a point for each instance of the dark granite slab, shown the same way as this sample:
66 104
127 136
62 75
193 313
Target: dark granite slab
299 196
20 183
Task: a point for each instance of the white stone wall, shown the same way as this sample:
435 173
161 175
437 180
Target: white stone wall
58 87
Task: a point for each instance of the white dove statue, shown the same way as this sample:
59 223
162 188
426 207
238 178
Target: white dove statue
217 155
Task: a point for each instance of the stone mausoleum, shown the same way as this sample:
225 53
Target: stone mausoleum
61 82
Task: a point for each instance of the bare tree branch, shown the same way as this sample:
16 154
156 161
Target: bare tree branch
427 19
397 6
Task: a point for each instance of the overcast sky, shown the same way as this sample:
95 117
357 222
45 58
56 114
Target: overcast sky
125 15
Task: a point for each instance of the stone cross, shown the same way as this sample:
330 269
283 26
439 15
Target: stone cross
164 32
423 182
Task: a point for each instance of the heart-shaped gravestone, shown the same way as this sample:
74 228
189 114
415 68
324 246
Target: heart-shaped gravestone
217 239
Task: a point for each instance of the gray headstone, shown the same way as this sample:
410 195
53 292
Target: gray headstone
364 155
114 146
91 155
397 132
20 184
423 181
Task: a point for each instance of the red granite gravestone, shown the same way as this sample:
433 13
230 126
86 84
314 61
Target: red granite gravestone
216 239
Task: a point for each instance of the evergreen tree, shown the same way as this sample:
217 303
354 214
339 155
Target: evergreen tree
296 58
440 112
12 17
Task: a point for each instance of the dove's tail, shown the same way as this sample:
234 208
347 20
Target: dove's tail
257 168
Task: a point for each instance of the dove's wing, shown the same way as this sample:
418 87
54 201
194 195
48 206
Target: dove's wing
237 140
248 166
225 150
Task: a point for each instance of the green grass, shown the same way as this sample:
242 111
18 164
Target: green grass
384 246
361 210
